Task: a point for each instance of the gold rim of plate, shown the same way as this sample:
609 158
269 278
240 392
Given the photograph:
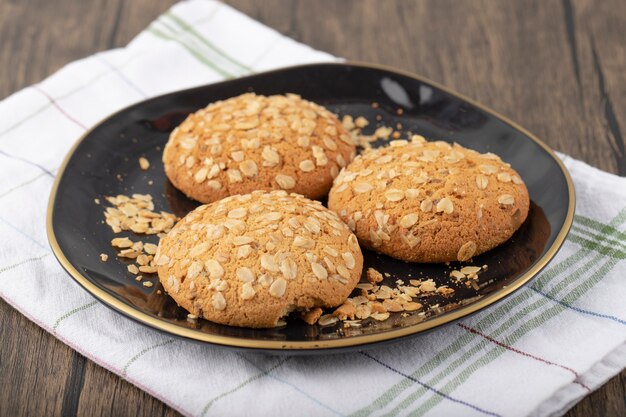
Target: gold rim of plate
237 342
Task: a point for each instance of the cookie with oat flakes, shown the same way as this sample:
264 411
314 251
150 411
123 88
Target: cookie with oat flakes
253 142
425 201
249 260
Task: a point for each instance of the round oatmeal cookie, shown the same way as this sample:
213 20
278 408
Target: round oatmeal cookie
253 142
425 201
249 260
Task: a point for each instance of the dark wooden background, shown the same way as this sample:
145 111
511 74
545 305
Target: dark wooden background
557 67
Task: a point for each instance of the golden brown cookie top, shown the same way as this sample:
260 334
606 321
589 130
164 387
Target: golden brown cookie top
430 201
253 142
248 260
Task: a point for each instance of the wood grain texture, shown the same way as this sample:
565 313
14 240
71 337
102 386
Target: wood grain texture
557 67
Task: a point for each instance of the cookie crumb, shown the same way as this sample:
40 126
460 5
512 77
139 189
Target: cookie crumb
380 316
348 122
361 122
138 209
312 316
136 213
104 257
373 276
445 290
144 164
345 311
147 284
467 273
383 132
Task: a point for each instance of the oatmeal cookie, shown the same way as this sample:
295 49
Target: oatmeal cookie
253 142
249 260
425 201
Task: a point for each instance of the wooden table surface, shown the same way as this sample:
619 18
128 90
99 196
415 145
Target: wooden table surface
556 67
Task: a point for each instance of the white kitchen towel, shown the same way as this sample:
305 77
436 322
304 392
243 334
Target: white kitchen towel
535 353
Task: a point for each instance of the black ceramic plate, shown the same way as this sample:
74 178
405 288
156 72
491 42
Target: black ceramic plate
104 162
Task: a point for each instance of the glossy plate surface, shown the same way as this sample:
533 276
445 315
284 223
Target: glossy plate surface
105 162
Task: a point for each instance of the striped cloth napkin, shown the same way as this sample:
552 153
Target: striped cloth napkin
536 353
